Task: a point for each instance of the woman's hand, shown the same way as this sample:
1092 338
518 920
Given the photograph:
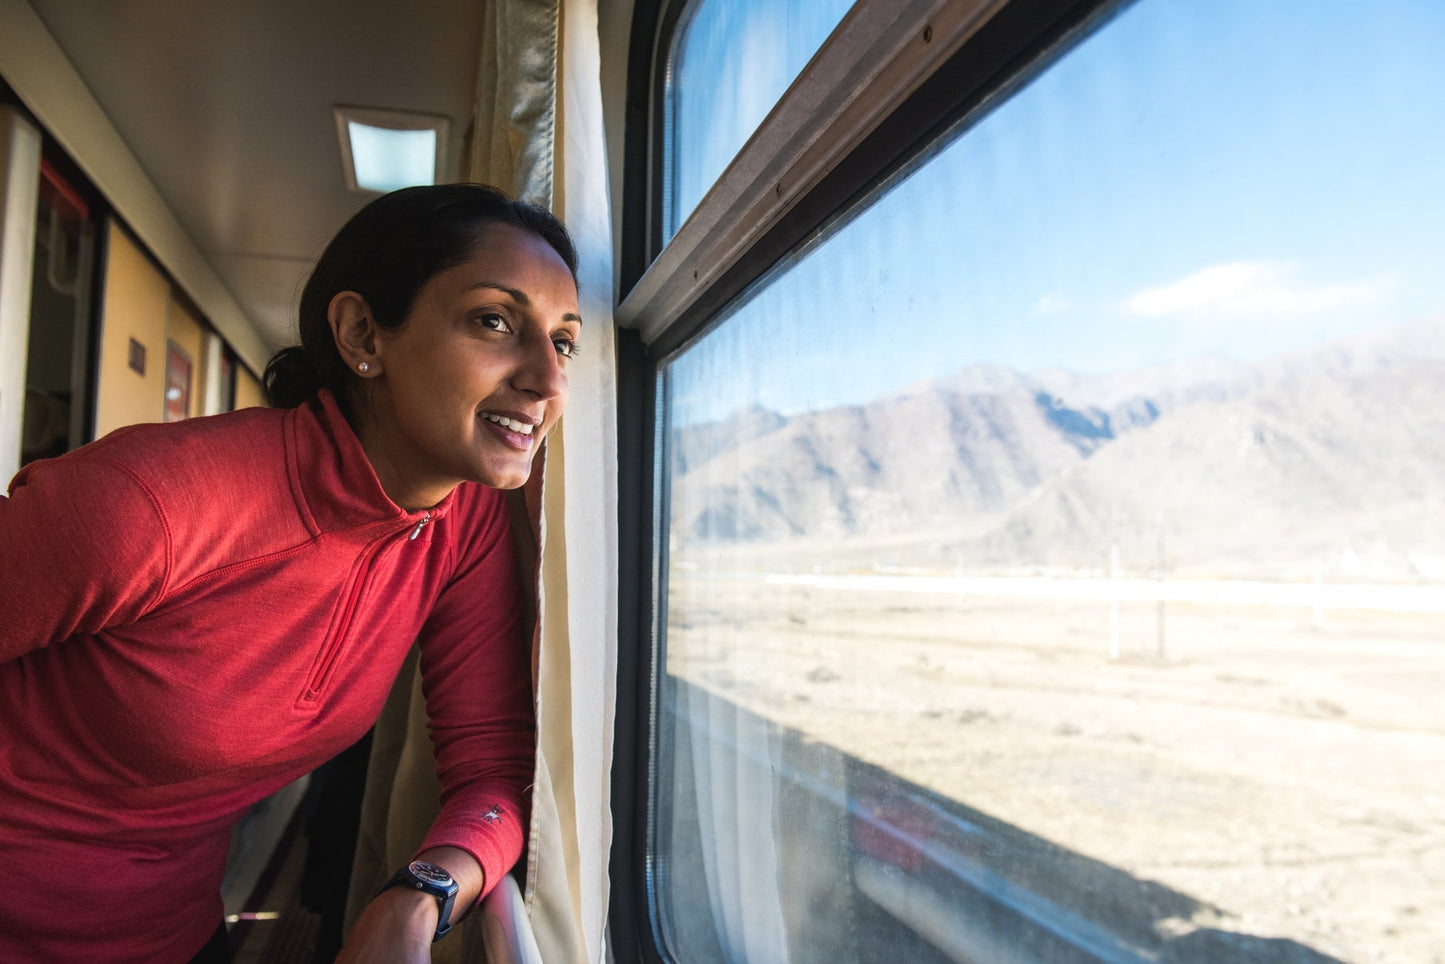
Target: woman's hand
399 923
397 926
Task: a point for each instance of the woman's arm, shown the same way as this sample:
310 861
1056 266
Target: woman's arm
83 545
476 667
476 660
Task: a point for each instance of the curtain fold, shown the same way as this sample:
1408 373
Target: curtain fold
579 595
735 762
515 112
537 133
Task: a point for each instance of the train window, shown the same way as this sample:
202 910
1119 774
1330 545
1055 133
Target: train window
1052 550
731 62
58 346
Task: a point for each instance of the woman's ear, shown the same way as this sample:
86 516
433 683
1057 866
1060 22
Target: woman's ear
355 332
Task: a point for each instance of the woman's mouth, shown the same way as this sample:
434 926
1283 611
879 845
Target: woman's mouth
514 432
510 424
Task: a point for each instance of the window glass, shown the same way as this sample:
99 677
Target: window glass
732 60
56 349
1055 551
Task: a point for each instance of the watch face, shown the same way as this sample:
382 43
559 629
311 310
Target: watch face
429 872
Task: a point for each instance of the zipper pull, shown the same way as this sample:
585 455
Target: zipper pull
417 531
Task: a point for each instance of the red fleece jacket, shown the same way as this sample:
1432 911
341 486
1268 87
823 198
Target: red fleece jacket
194 615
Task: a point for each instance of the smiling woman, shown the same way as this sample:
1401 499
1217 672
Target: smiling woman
475 374
230 598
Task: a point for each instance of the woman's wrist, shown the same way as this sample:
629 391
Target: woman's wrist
404 910
465 870
398 925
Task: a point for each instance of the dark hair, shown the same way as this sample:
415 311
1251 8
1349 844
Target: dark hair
386 253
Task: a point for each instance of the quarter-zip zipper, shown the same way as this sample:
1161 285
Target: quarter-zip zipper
331 650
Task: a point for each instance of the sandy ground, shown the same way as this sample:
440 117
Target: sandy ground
1282 765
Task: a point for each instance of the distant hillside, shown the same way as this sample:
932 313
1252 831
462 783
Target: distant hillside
1344 473
1328 459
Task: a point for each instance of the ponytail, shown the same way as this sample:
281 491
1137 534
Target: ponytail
289 378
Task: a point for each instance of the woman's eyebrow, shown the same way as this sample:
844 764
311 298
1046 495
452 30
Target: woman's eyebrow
520 297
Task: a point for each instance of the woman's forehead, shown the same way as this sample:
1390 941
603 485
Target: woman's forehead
520 265
515 248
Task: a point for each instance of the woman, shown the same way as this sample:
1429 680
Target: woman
194 615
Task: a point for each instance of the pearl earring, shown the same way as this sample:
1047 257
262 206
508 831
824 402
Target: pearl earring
364 367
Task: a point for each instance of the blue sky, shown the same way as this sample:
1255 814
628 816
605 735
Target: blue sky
1236 177
734 60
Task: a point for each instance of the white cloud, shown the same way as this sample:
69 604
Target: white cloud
1253 288
1051 304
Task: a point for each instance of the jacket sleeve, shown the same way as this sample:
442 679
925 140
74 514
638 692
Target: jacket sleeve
83 545
476 662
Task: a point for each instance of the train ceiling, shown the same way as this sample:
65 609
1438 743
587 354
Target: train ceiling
228 107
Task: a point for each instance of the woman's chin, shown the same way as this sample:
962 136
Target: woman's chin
504 477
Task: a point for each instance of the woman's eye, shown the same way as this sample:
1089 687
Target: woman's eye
492 322
566 347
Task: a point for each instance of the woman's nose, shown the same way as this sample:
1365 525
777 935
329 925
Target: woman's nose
540 371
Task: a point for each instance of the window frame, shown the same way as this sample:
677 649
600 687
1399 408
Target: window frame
879 92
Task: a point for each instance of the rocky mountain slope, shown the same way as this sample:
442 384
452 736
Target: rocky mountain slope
1326 460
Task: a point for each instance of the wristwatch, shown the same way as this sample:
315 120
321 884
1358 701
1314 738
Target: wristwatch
433 880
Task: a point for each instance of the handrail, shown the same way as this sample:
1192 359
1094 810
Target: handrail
506 929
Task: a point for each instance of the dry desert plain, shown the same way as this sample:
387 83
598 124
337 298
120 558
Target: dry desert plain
1284 765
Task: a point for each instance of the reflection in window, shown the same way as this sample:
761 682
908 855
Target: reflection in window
732 60
1056 550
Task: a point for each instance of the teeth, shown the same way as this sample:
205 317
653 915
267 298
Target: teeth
521 428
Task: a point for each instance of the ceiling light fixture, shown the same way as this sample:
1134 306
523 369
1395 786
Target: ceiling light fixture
383 150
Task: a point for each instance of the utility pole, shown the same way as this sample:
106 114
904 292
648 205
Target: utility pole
1114 580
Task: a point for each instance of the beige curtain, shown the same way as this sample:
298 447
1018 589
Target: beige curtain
579 585
538 133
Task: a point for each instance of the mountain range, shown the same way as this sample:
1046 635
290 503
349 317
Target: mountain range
1324 462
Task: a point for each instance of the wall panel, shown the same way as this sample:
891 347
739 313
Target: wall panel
249 393
133 313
